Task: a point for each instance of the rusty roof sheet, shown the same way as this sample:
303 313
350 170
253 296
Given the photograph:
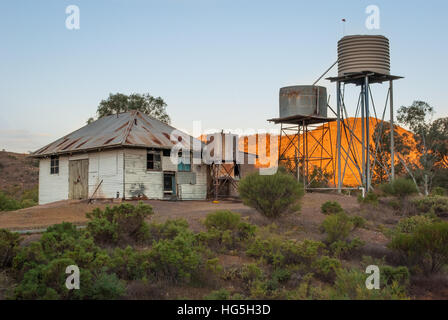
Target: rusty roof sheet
129 129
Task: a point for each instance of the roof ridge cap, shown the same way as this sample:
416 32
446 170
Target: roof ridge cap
133 116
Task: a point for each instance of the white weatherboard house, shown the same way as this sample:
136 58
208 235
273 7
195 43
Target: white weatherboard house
124 155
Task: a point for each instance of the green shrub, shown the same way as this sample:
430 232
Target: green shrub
331 207
280 253
425 247
438 191
437 205
351 284
9 243
225 230
326 268
370 198
31 195
167 230
222 220
130 264
337 227
45 281
271 195
177 259
27 203
358 221
8 203
389 275
409 225
106 287
221 294
251 272
120 224
344 248
400 188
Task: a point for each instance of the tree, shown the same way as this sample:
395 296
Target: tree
431 138
381 148
118 102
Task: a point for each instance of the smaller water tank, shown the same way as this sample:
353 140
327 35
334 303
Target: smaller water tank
361 53
303 101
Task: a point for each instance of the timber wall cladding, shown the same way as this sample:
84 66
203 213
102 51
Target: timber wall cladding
78 179
106 174
53 187
139 181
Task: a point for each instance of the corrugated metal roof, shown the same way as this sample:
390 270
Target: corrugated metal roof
129 129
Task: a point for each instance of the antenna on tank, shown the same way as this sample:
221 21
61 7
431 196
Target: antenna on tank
343 26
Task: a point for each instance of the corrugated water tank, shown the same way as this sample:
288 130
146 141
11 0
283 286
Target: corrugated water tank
363 53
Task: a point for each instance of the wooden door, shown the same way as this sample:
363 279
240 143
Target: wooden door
78 180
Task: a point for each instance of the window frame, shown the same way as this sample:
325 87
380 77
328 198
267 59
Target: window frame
155 154
54 165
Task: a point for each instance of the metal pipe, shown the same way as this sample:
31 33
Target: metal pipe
338 111
363 135
325 73
367 91
392 129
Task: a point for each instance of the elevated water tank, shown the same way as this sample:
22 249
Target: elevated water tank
303 101
360 53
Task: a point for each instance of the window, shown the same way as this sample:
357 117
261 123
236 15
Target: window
54 165
153 161
184 163
166 152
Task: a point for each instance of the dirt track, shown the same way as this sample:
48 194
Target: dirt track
193 211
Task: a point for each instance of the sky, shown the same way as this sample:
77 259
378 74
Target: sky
221 62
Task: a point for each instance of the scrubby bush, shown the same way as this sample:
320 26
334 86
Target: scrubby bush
426 247
9 243
400 188
337 227
409 225
344 248
438 191
167 230
222 220
326 267
370 198
390 274
358 221
130 264
331 207
251 272
221 294
107 287
176 260
8 203
351 284
271 195
120 224
437 205
281 253
225 230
